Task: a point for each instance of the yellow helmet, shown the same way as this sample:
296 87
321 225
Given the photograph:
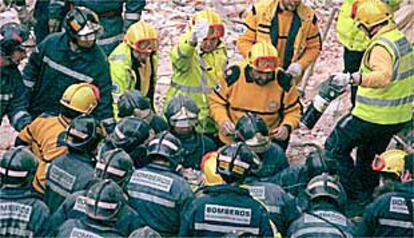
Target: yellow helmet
393 4
142 37
391 161
216 26
81 97
263 57
372 12
208 168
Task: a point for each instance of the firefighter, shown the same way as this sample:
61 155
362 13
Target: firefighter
227 208
131 134
110 15
182 116
290 26
133 103
134 62
103 204
23 213
115 165
11 54
66 58
74 170
158 193
353 39
253 131
383 103
294 178
198 60
324 217
259 78
391 214
45 134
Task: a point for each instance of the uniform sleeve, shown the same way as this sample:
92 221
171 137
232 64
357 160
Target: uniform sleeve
40 226
266 229
119 77
248 38
133 10
17 111
218 102
292 109
380 62
104 110
31 71
26 135
181 55
186 224
62 213
313 45
369 221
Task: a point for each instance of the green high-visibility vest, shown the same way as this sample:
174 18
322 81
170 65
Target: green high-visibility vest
394 103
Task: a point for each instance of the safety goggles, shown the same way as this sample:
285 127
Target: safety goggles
258 143
147 45
265 63
184 118
215 31
378 164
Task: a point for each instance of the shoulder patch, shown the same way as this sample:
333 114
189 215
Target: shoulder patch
232 74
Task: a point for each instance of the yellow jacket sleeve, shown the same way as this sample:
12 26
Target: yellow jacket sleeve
218 102
26 134
181 55
246 41
292 109
380 62
313 46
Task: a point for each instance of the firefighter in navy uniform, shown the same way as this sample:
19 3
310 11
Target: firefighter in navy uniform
133 103
323 218
259 86
158 193
295 178
74 170
66 58
45 134
103 204
11 87
227 208
22 213
117 166
391 214
253 131
110 15
131 134
182 116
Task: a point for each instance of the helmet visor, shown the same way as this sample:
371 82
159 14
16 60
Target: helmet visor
265 63
147 45
216 31
258 143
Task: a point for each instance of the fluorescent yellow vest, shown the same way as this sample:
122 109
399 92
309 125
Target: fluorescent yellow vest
347 31
392 104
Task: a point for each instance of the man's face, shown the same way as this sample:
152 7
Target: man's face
209 45
291 5
262 78
141 56
18 56
86 42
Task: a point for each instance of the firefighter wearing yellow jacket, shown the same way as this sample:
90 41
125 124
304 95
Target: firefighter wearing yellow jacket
354 40
290 26
384 100
134 62
259 86
198 60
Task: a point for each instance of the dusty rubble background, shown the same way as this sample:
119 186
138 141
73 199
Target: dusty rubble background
171 19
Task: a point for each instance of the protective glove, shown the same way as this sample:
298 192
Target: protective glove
295 69
200 30
285 80
227 128
340 79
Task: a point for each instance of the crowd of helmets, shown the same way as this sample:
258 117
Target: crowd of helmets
151 175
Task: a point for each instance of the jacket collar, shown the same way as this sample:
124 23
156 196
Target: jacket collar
226 188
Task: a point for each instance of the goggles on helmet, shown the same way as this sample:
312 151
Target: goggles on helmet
265 63
378 164
147 45
215 31
183 118
258 143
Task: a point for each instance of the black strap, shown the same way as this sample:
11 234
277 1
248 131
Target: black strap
293 32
